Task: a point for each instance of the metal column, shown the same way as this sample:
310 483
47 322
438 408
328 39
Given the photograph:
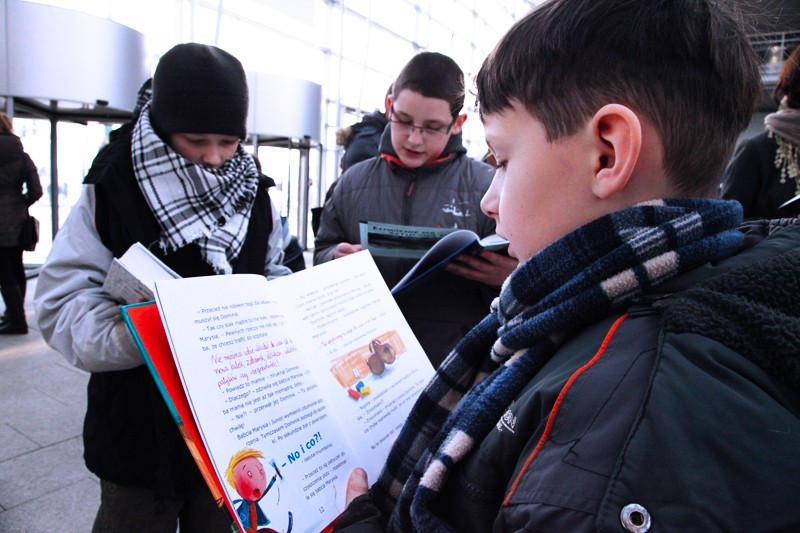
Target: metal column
54 171
303 186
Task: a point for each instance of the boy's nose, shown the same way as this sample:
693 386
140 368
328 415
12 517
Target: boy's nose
212 158
489 202
415 135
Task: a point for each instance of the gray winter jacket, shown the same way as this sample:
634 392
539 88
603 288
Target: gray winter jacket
682 414
444 195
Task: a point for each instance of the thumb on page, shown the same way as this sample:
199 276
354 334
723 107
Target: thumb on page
357 484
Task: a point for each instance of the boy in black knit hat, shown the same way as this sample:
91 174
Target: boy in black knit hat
176 179
199 89
639 371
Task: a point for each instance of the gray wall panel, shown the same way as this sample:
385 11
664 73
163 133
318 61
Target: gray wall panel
284 107
57 54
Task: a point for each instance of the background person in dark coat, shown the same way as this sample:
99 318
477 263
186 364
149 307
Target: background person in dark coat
362 140
16 170
765 170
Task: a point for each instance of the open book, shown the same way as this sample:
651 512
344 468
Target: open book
281 388
446 249
132 277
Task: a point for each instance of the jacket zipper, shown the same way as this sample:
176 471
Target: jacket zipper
554 410
408 201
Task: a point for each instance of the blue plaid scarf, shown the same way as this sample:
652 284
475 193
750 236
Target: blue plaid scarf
584 276
192 203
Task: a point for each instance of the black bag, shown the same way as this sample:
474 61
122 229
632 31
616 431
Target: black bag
29 235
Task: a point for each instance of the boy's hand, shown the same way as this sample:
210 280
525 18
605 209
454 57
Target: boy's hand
357 484
486 267
345 248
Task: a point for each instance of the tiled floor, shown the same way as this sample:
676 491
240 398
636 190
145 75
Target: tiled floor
44 485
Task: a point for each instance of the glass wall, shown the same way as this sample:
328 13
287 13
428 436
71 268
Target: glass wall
352 48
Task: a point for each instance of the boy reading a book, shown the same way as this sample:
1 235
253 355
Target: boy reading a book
176 179
422 177
639 370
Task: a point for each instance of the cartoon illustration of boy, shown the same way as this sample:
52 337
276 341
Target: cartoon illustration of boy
245 473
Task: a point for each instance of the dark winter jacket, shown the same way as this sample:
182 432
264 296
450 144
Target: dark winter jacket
688 419
362 140
16 170
444 195
753 180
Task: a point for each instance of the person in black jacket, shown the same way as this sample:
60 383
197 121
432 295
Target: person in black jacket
362 140
639 370
764 173
16 170
178 180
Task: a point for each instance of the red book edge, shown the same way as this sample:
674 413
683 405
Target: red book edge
144 322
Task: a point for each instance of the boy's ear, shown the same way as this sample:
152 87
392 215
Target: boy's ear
458 124
388 105
617 132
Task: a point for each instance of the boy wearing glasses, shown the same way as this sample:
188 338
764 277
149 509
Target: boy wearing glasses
423 177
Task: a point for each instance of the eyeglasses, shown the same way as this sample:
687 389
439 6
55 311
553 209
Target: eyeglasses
407 127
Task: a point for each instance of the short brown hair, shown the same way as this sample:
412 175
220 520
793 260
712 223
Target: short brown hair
433 75
686 65
6 126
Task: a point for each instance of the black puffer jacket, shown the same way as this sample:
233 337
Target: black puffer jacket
754 181
362 140
16 170
687 417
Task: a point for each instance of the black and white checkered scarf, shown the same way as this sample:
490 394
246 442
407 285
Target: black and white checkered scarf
593 271
192 203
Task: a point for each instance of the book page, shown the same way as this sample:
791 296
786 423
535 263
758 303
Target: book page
251 354
132 277
494 243
367 360
144 265
123 286
252 394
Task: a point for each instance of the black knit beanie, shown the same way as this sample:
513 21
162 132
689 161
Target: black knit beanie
199 88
